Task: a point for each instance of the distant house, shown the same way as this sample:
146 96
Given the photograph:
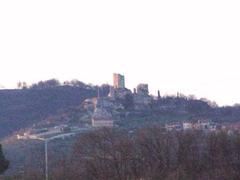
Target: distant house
102 118
204 124
173 127
187 126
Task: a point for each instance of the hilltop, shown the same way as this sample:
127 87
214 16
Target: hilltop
50 103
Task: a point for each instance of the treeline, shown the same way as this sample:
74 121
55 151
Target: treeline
55 83
4 163
148 154
49 83
195 109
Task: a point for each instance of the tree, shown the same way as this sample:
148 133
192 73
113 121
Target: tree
128 102
3 162
22 85
159 95
19 85
46 84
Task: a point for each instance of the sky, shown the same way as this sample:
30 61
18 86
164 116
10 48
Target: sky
186 46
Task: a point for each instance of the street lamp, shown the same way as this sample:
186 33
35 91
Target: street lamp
46 154
46 159
46 147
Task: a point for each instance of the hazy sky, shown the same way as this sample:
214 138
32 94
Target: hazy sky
174 45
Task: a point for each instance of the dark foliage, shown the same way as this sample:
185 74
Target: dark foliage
22 108
46 84
151 153
3 162
128 102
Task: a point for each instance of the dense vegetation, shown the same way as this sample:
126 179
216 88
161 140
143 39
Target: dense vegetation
152 153
20 108
4 163
149 153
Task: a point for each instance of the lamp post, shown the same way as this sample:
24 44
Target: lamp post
46 147
46 159
46 153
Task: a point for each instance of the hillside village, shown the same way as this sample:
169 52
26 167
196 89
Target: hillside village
119 99
105 111
121 105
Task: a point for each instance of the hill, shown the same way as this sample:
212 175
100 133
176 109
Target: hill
20 108
50 102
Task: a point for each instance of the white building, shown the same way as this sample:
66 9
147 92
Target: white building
204 124
187 126
102 118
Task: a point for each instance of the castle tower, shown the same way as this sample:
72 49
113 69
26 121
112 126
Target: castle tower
118 81
142 89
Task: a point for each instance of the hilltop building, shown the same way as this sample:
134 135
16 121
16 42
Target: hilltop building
118 81
102 118
142 89
120 102
141 98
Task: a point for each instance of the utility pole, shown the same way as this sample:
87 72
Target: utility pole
46 148
46 141
46 159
